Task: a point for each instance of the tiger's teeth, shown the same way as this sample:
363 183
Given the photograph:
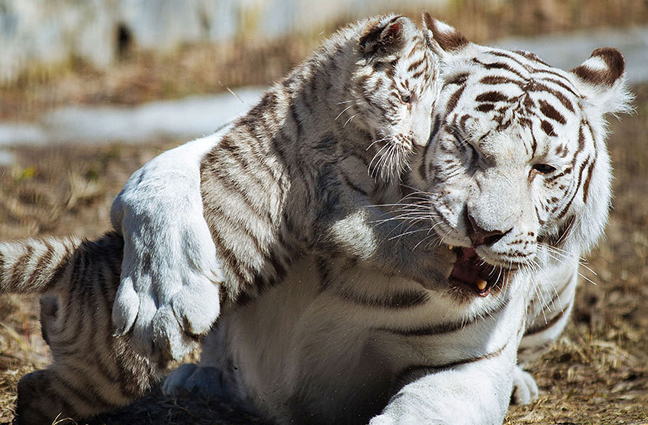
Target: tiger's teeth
450 247
481 284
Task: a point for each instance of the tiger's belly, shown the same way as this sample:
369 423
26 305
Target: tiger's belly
305 353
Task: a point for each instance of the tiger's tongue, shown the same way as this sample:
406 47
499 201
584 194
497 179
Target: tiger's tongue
468 267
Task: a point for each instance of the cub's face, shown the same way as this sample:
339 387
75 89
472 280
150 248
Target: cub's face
516 171
394 87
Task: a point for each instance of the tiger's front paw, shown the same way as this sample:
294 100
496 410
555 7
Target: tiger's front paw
525 389
166 318
169 292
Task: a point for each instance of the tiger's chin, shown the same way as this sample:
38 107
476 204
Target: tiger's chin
472 276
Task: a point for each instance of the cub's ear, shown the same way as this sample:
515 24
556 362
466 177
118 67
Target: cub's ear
446 39
385 36
601 79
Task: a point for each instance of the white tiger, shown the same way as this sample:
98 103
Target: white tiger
516 179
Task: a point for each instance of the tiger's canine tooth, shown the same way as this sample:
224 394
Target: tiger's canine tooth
450 247
481 284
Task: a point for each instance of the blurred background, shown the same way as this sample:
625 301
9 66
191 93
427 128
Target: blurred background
92 89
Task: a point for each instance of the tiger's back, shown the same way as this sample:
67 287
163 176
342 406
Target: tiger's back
92 371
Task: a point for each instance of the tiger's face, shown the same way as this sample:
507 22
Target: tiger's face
393 85
516 172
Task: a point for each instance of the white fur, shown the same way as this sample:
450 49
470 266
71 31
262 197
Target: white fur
176 298
295 335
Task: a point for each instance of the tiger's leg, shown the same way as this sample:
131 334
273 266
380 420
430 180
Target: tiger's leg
92 371
169 291
548 315
475 393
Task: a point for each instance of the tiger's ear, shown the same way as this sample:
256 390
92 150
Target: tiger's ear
601 79
385 36
445 39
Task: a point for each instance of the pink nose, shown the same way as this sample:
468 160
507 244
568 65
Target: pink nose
480 236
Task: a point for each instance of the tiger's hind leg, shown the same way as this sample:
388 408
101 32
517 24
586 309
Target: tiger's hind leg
37 401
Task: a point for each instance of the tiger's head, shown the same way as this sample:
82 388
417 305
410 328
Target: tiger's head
516 170
390 90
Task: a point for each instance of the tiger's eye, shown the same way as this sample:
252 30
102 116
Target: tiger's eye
406 98
544 168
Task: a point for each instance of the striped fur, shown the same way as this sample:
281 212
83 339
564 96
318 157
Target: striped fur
295 174
299 170
92 371
518 170
515 180
363 100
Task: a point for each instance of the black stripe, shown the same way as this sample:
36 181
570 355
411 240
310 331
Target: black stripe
547 128
492 97
500 65
551 112
2 266
415 65
420 370
444 328
539 87
539 328
454 99
43 262
394 300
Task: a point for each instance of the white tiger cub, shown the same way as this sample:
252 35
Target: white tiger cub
295 174
516 179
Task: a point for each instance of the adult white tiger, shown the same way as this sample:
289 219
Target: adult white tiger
516 177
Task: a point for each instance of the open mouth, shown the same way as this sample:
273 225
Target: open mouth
472 273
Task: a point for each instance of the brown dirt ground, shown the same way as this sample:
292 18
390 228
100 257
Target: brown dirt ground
597 373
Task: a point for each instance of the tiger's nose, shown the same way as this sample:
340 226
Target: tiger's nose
480 236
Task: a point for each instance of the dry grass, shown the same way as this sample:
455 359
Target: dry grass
596 374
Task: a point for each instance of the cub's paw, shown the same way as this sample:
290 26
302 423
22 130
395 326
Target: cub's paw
209 382
525 389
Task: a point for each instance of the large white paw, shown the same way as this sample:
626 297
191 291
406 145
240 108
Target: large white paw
169 290
525 389
208 381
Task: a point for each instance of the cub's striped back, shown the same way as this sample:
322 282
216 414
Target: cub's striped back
92 371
